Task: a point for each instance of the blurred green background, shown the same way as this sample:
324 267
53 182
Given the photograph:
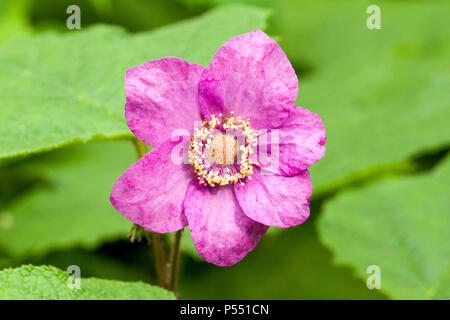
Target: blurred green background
380 193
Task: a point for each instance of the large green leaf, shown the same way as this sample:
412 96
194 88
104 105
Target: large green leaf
120 260
72 206
402 226
60 89
211 3
382 93
14 22
49 283
134 15
292 264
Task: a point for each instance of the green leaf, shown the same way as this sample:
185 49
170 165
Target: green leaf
381 93
292 264
49 283
72 206
62 89
14 22
134 15
211 3
402 226
101 263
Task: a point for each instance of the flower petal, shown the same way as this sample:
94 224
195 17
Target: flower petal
162 95
250 75
276 200
151 191
221 232
294 147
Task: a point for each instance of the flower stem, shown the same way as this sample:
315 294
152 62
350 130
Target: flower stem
175 261
141 147
157 241
160 258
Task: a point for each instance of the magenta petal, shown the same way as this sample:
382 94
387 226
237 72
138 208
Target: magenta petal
300 143
151 191
162 95
276 200
221 232
250 75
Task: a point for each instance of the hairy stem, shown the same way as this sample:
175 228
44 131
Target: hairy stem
157 241
175 261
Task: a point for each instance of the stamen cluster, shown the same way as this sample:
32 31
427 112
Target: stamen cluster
208 165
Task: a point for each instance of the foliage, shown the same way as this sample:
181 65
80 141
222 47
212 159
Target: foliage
62 89
400 225
49 283
383 96
71 204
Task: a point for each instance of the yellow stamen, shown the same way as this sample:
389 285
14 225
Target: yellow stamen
222 150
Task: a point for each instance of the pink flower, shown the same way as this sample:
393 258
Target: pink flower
224 191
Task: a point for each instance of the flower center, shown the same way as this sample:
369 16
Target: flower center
223 149
220 150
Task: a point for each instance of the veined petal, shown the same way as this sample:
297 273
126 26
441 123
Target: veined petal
294 147
276 200
250 75
151 191
221 232
162 96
